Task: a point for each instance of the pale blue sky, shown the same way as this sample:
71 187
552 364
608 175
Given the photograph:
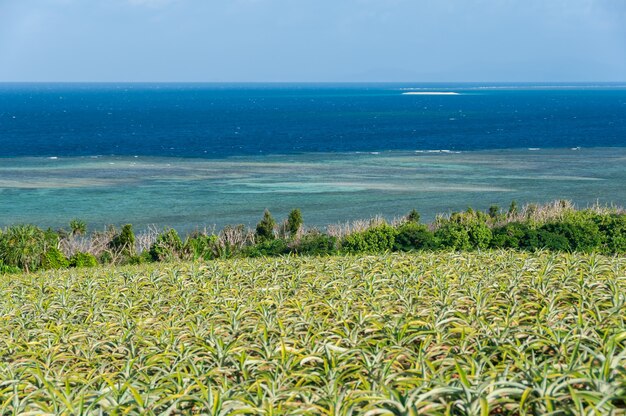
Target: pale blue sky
313 40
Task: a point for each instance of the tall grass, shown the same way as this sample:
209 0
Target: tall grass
484 333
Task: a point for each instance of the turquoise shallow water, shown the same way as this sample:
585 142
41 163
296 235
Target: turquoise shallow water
329 187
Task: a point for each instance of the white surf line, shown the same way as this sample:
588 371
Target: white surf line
430 93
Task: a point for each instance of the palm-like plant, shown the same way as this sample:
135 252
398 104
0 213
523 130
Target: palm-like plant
23 246
78 227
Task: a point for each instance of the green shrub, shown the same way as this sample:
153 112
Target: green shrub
6 269
580 230
124 242
453 236
612 228
51 238
494 212
54 259
106 258
413 236
23 246
168 246
315 243
465 231
80 259
265 228
515 235
266 248
78 227
553 241
374 240
294 222
143 258
202 246
413 216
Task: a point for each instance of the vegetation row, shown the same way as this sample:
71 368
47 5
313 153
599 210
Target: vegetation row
491 333
558 226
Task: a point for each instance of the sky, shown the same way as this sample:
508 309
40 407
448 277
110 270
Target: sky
312 40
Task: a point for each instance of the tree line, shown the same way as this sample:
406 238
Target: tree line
557 226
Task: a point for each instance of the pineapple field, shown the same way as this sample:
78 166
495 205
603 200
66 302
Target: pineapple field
493 332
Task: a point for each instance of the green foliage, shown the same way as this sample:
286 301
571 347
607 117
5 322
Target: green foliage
515 235
494 212
78 227
54 259
373 240
315 243
453 236
124 242
23 246
513 208
612 228
106 258
413 236
6 269
143 258
494 333
51 238
580 230
27 247
266 248
265 228
553 241
465 231
202 246
80 259
168 246
413 216
294 222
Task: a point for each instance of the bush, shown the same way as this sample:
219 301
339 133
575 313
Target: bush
413 216
315 243
294 222
515 235
80 259
553 241
51 238
374 240
266 248
580 230
124 242
465 231
453 236
612 228
106 258
54 259
168 246
414 236
23 246
202 246
6 269
78 227
265 228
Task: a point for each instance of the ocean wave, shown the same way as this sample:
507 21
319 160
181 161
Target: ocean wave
430 93
438 151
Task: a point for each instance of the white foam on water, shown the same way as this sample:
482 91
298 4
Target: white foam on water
430 93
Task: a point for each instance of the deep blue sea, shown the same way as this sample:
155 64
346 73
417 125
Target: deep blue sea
217 121
195 154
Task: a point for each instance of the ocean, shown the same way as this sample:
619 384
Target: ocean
203 155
